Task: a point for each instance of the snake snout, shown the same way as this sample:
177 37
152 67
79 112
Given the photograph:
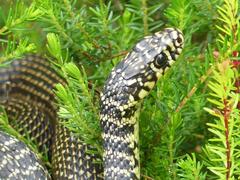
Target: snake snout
176 36
178 41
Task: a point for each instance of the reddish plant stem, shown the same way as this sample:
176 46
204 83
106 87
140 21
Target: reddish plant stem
226 114
236 65
237 84
228 150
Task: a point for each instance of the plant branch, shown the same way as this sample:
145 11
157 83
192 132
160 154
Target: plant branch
226 114
193 90
145 16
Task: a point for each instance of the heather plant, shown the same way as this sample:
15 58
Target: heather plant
189 124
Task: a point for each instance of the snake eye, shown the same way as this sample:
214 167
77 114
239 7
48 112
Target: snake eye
161 60
179 40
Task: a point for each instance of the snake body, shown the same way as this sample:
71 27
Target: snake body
26 93
18 161
130 81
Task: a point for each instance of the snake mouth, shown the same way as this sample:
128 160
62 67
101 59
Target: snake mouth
175 54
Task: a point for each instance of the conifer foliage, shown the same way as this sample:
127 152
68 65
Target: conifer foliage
190 124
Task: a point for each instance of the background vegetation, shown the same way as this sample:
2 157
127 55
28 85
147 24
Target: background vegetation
190 123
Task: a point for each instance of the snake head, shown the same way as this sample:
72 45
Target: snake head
138 72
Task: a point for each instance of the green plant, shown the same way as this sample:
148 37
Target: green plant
191 169
222 150
194 108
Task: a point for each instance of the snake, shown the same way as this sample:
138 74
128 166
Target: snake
26 93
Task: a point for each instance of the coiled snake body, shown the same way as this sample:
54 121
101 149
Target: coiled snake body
26 93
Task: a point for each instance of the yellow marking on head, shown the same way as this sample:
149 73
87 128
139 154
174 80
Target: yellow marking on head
166 68
167 54
125 106
142 93
159 74
149 84
121 108
149 77
155 68
131 98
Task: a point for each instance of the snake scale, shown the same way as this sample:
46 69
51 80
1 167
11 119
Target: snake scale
26 92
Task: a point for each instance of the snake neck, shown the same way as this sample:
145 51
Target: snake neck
121 152
119 120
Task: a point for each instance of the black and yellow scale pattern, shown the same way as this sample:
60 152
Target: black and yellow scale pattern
26 92
17 161
129 82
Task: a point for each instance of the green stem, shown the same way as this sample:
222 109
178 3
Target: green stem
145 16
228 150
